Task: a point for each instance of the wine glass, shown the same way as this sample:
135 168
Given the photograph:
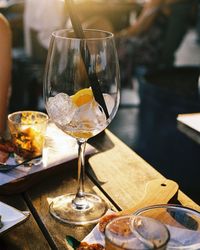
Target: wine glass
81 92
182 222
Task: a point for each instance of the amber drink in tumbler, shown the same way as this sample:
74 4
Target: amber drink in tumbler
135 232
27 130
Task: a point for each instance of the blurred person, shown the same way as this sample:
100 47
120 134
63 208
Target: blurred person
43 17
152 40
5 70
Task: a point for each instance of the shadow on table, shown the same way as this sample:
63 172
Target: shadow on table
101 142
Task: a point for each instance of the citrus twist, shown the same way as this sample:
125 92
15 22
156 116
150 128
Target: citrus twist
82 97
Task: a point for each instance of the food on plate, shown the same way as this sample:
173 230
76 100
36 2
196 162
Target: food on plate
87 246
104 221
3 156
6 147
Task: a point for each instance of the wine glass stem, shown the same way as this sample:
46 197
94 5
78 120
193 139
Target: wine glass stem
79 201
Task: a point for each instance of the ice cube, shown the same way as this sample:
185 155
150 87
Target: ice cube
89 117
61 109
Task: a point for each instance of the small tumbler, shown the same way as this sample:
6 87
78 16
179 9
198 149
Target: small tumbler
27 130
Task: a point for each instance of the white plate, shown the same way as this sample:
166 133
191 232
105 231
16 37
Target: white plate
11 217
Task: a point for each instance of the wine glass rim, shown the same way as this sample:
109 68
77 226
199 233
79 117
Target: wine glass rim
172 206
59 34
45 116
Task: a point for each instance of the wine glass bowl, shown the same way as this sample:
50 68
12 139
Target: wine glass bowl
182 222
81 92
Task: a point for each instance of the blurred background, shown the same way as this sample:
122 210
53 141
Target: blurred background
146 120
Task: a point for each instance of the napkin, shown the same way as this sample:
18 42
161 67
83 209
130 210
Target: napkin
95 236
11 216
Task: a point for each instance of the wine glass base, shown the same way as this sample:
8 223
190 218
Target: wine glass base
63 209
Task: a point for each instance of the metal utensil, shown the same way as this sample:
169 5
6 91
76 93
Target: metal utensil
4 167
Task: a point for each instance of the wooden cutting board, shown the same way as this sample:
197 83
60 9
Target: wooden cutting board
158 191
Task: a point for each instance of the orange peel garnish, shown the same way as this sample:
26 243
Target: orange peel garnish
82 97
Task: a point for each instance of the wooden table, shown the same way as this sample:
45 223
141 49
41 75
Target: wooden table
116 173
